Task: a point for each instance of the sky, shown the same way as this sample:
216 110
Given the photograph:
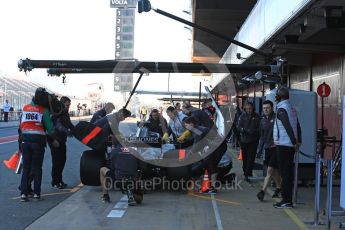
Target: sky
85 30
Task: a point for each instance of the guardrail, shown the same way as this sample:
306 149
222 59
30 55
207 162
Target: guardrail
12 116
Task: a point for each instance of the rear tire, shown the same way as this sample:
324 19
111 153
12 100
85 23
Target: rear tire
91 162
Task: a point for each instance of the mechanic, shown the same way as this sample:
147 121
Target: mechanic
108 108
178 107
209 108
200 116
110 123
108 177
176 128
156 123
204 136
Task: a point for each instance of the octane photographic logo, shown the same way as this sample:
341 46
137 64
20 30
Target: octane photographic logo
162 183
149 147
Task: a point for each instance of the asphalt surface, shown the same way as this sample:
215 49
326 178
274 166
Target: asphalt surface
17 215
80 207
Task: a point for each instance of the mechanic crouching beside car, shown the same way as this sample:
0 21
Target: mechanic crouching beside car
217 146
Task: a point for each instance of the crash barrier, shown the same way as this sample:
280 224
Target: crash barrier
12 116
83 112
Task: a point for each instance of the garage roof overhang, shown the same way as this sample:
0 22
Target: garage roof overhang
223 16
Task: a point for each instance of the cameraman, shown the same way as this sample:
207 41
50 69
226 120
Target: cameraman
34 123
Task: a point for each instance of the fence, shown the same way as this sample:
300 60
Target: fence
12 116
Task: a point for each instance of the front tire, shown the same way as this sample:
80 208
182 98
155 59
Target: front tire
91 162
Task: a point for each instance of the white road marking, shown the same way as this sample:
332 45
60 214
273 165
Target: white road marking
10 136
8 142
121 205
116 213
216 213
119 208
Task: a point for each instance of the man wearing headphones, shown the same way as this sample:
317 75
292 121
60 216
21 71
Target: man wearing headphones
287 138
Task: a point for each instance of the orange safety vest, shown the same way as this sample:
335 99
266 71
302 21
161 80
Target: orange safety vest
32 120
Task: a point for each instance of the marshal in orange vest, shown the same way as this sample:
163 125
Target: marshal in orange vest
31 121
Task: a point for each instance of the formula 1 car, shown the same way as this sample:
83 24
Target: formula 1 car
154 159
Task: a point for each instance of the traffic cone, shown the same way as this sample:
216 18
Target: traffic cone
205 185
13 161
240 156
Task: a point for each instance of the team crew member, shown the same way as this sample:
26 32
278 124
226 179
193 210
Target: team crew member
35 121
110 123
176 128
266 142
209 109
287 138
204 136
63 128
200 116
248 126
108 108
157 123
178 107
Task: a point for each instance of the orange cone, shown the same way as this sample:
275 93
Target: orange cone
13 161
240 156
205 185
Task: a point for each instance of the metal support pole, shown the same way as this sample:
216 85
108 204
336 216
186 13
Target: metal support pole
316 221
329 194
329 186
322 117
133 90
317 190
226 38
199 95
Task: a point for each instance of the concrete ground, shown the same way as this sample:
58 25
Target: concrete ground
233 208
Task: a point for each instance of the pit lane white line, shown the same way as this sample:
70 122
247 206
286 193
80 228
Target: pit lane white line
8 142
216 213
119 208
